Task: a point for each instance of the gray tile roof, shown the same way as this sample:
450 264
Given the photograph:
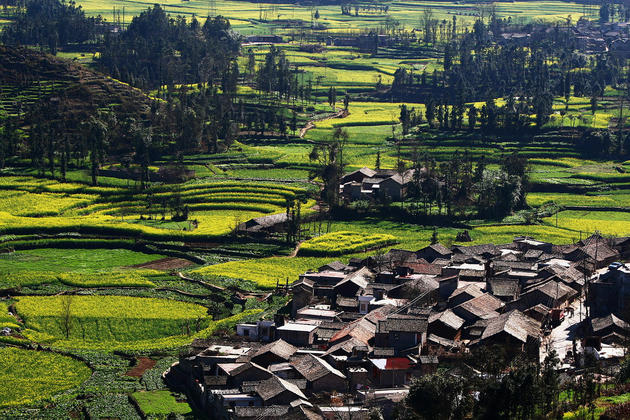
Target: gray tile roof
514 323
279 347
313 368
274 386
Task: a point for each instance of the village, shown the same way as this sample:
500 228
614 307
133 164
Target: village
355 335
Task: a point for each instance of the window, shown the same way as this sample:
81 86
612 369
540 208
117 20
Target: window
246 332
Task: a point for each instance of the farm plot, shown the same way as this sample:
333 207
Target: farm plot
587 222
22 203
129 278
264 272
29 376
66 260
160 403
106 322
345 242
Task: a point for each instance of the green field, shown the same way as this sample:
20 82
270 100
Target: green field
160 404
29 377
587 222
64 260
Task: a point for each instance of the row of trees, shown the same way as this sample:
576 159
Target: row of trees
51 24
158 50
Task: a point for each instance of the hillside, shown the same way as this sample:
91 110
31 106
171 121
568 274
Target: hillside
33 80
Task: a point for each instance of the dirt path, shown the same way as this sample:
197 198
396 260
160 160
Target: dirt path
311 124
294 253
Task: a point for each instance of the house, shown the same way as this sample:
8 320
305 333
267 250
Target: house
552 294
464 294
597 254
241 372
366 183
503 288
445 324
417 286
610 292
482 307
358 176
319 374
262 330
264 39
277 352
302 292
428 364
391 372
277 391
353 282
525 244
317 313
514 331
362 329
486 251
447 285
270 223
434 251
401 332
337 266
611 329
301 335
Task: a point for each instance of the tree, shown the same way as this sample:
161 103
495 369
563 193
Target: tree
550 381
330 165
405 119
472 117
97 133
293 125
439 397
66 314
604 12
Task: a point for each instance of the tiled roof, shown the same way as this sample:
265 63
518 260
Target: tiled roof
274 386
402 323
448 318
345 346
469 289
604 322
480 306
360 278
313 368
503 287
272 411
514 323
477 249
279 347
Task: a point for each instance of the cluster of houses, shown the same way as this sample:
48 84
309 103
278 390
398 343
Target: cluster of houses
590 37
368 184
355 335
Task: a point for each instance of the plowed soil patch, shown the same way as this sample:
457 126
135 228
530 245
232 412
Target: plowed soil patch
144 364
166 264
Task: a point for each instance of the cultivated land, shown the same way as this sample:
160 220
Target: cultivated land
92 242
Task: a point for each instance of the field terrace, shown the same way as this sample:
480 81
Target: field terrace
378 322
